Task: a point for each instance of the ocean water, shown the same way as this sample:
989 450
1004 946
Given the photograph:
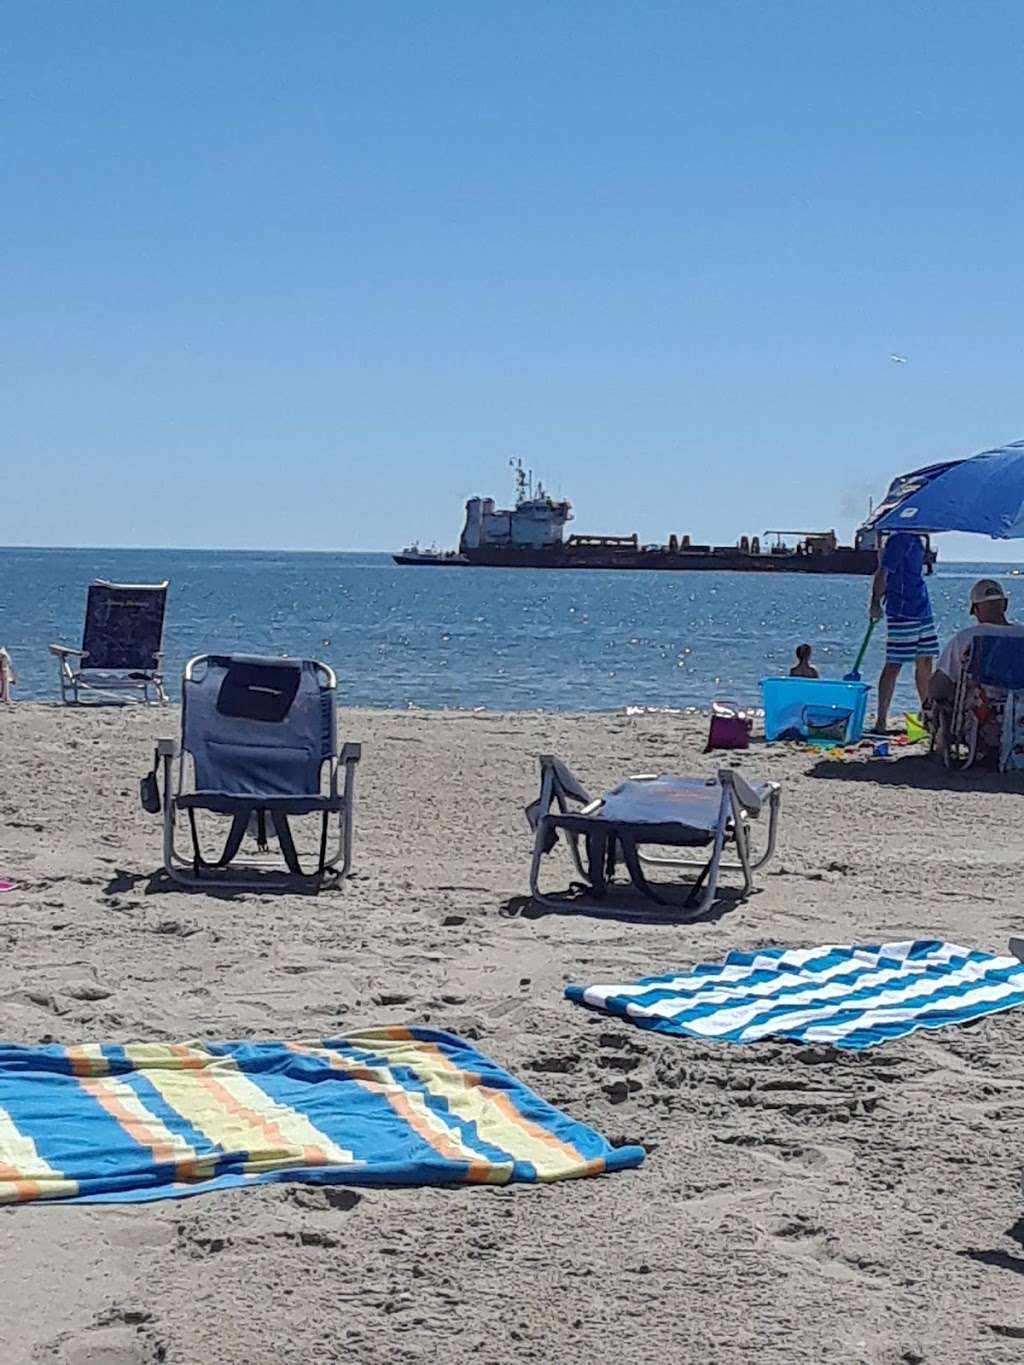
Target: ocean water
498 639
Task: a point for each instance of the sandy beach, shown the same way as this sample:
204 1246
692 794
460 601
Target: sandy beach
796 1205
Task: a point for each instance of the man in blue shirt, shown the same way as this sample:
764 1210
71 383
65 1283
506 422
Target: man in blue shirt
899 584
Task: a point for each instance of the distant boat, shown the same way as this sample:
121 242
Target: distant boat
530 536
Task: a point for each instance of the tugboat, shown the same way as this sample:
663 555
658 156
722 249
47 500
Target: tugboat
530 536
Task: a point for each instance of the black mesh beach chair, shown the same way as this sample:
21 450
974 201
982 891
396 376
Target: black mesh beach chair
258 746
121 645
667 812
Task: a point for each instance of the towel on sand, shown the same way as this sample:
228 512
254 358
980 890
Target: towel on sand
852 997
384 1106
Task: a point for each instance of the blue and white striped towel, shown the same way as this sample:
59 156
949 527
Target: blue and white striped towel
853 997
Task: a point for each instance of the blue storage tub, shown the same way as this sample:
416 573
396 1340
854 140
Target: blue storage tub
821 710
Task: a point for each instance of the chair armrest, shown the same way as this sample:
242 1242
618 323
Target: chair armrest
562 779
557 784
745 794
350 753
62 650
167 748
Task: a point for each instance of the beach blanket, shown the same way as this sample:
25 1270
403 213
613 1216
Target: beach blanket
98 1123
855 996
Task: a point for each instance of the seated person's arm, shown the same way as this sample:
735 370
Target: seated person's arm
943 682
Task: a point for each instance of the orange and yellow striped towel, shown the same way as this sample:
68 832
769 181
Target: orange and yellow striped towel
387 1106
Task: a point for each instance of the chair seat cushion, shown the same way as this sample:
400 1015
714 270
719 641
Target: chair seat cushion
228 803
644 832
664 810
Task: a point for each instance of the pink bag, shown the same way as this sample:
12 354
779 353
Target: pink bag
730 727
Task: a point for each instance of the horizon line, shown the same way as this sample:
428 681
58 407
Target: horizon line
289 550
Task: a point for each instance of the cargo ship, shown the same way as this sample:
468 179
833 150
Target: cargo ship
530 535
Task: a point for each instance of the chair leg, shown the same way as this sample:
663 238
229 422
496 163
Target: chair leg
573 840
539 844
169 819
714 862
321 864
774 807
539 836
741 836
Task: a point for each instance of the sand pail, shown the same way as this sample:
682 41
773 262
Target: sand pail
915 729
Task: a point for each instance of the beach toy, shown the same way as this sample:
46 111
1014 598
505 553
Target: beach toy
854 673
881 750
814 709
6 886
915 728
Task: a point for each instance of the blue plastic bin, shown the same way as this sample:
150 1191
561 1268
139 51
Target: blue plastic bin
815 709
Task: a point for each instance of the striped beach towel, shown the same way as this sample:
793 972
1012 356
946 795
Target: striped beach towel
391 1106
851 997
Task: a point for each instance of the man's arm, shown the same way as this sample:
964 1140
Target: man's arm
877 593
942 686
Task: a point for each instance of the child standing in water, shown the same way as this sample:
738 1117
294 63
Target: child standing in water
803 668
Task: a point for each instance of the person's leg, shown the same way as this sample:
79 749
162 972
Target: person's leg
927 653
886 687
923 676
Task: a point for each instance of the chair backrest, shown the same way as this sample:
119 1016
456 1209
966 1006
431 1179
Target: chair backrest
124 626
997 661
258 726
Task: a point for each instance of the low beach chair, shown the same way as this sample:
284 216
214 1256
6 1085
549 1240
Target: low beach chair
990 684
258 745
676 812
121 644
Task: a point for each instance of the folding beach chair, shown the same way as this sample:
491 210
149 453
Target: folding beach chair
8 677
988 700
258 745
675 812
121 643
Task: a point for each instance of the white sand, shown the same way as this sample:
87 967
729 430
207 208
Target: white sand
796 1205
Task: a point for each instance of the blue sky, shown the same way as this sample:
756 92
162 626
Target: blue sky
307 275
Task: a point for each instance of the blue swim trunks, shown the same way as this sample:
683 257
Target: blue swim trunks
907 641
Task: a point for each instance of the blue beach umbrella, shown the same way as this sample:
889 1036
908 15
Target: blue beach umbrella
983 494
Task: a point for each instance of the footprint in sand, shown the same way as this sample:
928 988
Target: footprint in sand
338 1198
783 1153
817 1246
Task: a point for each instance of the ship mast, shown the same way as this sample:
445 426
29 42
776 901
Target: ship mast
524 482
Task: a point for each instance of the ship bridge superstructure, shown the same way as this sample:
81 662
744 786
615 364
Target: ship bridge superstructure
535 523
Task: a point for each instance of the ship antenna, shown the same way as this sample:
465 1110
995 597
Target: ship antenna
517 465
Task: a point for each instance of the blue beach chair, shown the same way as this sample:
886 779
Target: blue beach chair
708 816
991 683
258 745
121 644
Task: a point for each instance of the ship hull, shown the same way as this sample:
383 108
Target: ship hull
843 561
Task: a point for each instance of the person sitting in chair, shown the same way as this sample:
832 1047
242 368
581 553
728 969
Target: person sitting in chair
988 603
988 607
